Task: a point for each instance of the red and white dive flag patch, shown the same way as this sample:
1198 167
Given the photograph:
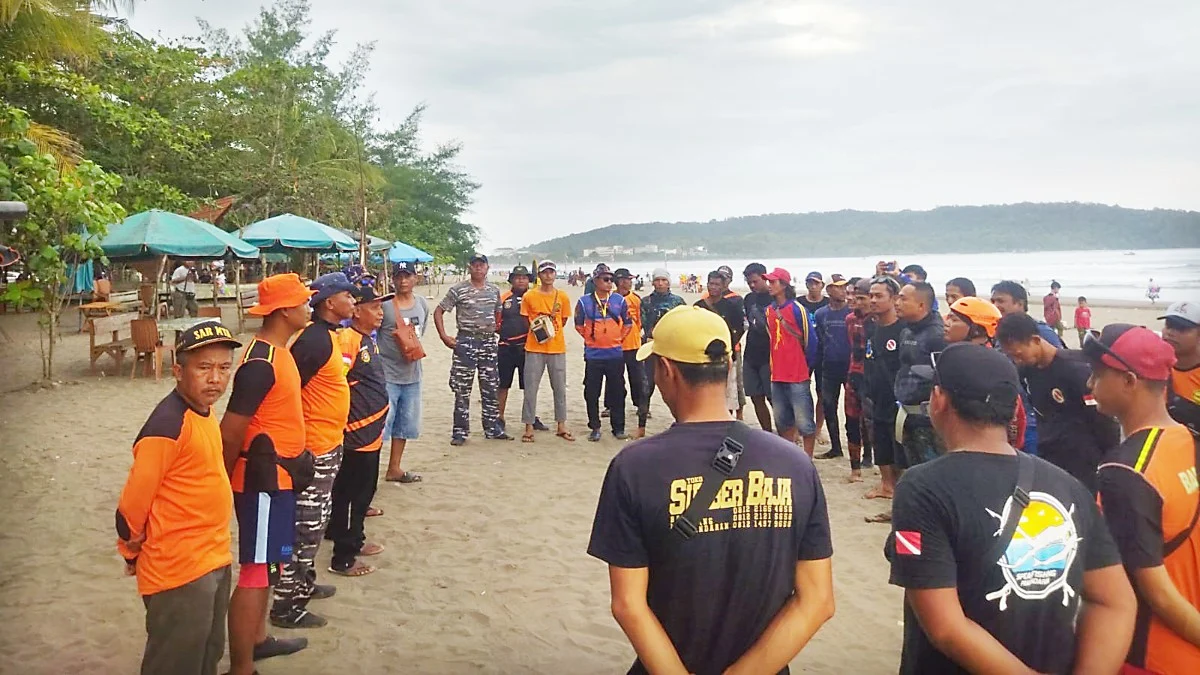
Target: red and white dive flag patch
908 543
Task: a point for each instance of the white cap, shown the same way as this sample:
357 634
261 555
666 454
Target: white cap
546 265
1188 311
661 273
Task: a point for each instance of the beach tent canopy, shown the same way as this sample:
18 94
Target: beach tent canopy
156 233
402 252
288 231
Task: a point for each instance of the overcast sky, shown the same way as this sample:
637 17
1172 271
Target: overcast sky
580 113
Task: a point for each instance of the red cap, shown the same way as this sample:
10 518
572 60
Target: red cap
778 274
1132 349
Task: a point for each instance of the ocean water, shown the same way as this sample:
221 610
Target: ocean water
1098 275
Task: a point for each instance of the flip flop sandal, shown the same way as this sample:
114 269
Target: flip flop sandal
356 570
565 435
406 477
526 438
371 548
373 512
879 518
273 646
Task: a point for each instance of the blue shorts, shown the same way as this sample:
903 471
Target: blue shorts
266 526
404 416
793 406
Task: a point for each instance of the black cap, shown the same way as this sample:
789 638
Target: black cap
403 268
207 332
726 271
977 373
518 271
622 273
478 257
366 294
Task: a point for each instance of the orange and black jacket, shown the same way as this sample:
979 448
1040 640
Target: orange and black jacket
266 388
1183 397
1149 494
513 327
323 388
178 496
368 390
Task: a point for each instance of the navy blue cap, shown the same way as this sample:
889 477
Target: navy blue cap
403 268
328 285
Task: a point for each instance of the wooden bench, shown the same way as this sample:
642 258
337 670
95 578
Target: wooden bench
124 298
110 335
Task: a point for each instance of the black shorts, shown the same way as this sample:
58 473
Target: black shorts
511 359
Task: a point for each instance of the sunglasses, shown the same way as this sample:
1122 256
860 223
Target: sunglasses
1095 349
609 279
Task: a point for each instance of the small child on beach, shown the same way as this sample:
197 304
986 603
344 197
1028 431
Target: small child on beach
1083 319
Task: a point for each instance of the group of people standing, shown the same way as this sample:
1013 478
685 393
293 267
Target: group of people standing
333 373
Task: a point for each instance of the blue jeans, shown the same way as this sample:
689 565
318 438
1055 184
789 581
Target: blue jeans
404 415
793 406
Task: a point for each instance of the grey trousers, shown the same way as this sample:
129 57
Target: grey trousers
535 365
185 626
181 301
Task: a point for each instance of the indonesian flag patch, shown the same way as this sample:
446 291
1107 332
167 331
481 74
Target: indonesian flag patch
1088 399
908 543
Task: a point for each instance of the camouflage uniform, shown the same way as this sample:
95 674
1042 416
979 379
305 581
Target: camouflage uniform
298 578
475 315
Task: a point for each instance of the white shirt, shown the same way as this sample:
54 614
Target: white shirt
183 279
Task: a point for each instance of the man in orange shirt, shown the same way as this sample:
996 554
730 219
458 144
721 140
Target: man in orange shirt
634 369
173 515
548 310
325 399
1150 496
1181 330
265 456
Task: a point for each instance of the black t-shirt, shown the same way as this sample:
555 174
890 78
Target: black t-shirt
883 362
945 517
730 309
716 593
811 306
758 343
1072 433
513 326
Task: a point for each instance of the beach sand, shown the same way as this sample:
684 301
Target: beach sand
485 571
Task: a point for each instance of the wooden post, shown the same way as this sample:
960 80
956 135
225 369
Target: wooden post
237 291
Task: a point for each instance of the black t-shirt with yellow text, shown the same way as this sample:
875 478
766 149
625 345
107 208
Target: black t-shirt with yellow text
715 593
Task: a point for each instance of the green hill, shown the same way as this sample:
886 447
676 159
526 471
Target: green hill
946 229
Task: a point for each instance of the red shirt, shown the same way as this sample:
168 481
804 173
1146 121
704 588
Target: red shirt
1083 317
1051 310
786 324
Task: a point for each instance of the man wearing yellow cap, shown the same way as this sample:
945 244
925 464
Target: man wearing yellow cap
735 499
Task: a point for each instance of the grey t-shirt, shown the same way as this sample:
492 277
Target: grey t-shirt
474 308
397 369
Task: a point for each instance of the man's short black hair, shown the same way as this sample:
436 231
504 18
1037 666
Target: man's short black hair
1014 290
915 270
926 292
1054 284
1016 328
697 374
963 284
715 275
852 282
754 268
993 414
1082 299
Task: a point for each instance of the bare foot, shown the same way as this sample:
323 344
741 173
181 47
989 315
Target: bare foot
883 517
640 433
879 492
855 476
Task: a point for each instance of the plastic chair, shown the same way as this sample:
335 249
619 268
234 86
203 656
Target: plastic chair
150 304
147 347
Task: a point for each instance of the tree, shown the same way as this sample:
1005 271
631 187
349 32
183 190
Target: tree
69 211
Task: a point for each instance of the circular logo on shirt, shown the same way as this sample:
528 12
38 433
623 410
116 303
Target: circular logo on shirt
891 345
1038 558
365 356
1057 395
508 304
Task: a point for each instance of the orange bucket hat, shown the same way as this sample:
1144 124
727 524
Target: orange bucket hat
281 291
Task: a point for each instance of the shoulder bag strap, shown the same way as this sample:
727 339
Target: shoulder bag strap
725 460
795 307
1173 545
1020 499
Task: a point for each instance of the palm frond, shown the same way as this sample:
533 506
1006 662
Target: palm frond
56 142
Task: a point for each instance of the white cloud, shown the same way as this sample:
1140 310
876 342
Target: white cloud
576 113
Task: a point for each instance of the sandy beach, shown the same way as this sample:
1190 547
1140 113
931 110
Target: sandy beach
485 569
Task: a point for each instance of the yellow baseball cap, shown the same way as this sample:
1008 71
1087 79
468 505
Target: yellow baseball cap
684 335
